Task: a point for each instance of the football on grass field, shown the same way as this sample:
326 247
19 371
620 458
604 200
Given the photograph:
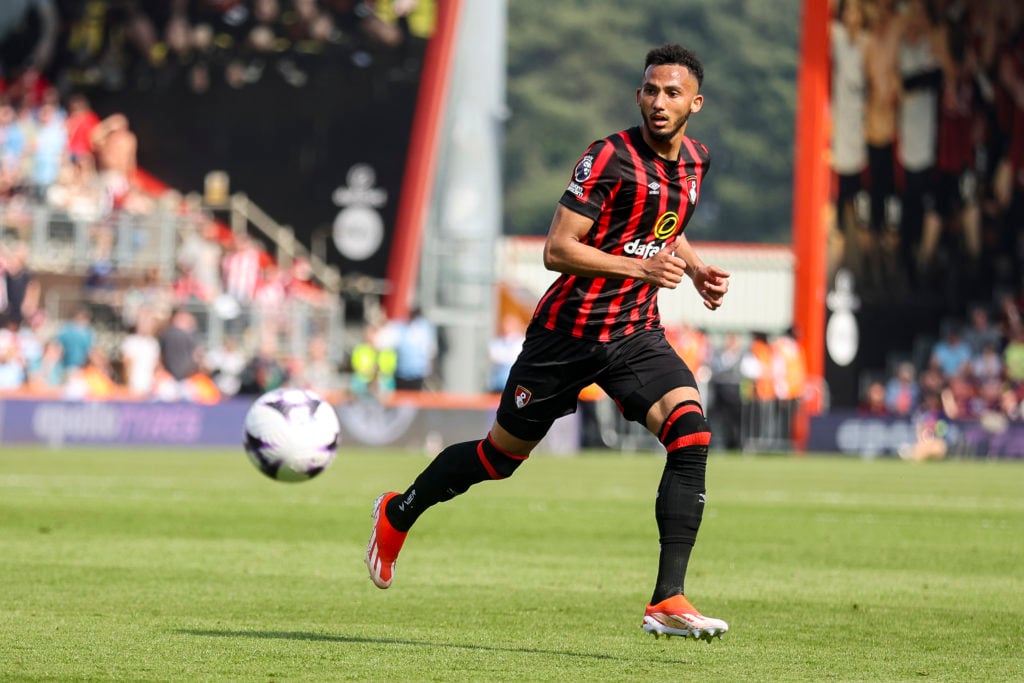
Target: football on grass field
291 434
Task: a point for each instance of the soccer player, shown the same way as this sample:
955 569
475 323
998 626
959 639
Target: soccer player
616 238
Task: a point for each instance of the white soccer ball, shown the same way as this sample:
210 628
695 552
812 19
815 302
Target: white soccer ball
291 434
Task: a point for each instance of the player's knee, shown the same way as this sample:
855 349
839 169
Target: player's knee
685 429
498 463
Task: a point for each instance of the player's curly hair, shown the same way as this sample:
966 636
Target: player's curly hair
676 54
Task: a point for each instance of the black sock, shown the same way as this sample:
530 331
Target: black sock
451 473
680 505
679 509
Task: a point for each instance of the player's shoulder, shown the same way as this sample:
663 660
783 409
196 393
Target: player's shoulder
615 142
624 147
603 155
699 148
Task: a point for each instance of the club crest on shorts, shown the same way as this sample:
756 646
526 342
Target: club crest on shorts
523 396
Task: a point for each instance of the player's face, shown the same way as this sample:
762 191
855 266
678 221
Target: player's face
667 98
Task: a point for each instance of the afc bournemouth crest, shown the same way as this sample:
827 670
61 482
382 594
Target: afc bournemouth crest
523 396
691 188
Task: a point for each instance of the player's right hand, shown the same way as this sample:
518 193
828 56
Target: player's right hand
665 269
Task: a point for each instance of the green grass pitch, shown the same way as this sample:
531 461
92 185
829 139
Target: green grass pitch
159 565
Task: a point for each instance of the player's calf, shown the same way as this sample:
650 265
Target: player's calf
679 508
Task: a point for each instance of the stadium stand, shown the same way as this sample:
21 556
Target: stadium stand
86 230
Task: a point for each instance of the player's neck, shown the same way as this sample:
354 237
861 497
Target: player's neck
666 149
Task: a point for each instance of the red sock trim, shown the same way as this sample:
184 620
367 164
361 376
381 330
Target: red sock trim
486 462
677 412
491 472
695 439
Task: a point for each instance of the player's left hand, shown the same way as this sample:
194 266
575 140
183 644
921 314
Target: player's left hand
712 283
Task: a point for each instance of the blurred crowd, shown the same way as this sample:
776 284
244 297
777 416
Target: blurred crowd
55 53
144 334
147 340
973 371
393 355
198 45
754 382
927 150
928 146
928 160
120 343
67 159
76 164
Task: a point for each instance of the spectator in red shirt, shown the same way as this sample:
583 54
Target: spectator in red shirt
301 286
186 287
241 267
80 123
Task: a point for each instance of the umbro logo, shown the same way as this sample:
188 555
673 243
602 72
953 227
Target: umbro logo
654 186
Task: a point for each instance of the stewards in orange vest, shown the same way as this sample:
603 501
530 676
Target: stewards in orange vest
692 346
762 370
790 369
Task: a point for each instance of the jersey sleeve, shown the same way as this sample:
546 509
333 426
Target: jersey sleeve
594 180
705 157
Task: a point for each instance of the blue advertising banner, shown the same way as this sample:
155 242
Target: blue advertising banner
171 424
870 436
59 423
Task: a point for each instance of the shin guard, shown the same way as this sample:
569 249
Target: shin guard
680 505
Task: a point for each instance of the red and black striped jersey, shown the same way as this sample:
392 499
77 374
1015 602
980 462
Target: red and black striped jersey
639 202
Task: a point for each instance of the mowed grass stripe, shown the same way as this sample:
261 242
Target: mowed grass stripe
189 565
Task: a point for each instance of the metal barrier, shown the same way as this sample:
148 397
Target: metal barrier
604 427
767 426
69 243
290 329
63 242
244 214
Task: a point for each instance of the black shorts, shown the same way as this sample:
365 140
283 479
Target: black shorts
545 382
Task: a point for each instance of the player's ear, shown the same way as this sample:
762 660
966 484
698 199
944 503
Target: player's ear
696 104
638 97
